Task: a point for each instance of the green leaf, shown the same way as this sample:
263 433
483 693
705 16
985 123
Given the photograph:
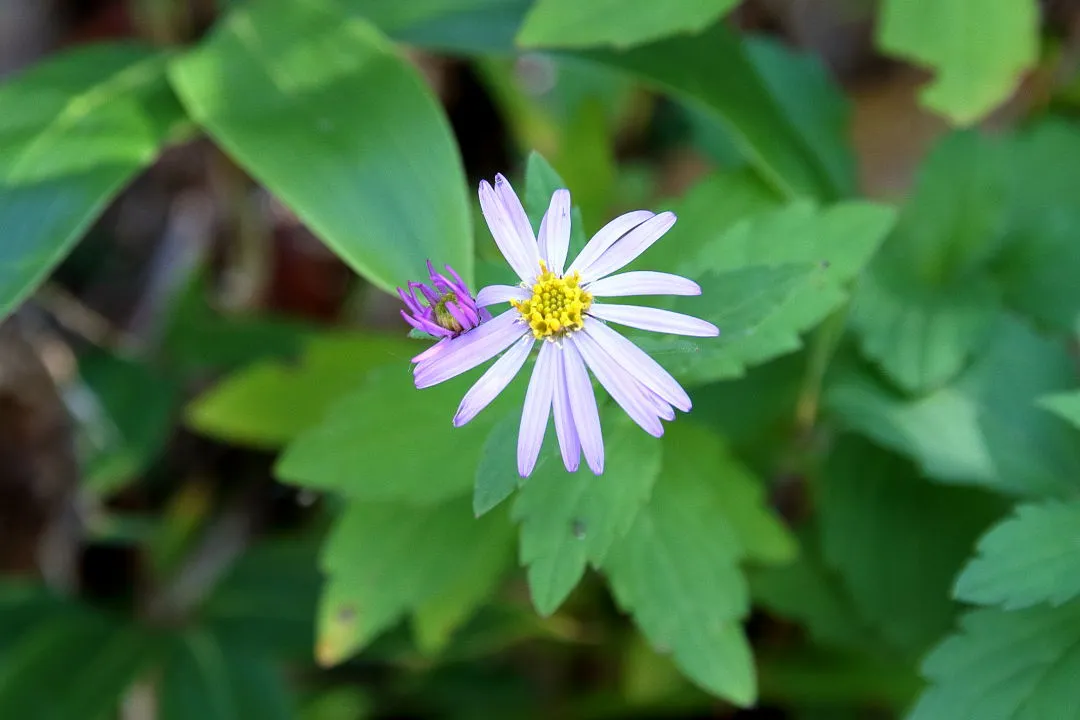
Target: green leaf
1018 665
928 303
814 105
621 23
387 559
1030 558
976 65
75 130
568 520
470 27
897 540
1065 405
772 277
206 679
496 475
712 70
389 441
136 406
270 403
321 109
984 428
677 570
97 657
1039 265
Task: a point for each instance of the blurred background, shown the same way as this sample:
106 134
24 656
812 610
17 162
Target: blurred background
155 568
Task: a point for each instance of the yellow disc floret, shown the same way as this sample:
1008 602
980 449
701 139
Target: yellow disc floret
556 306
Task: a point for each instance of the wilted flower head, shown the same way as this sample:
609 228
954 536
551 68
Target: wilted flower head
444 309
559 308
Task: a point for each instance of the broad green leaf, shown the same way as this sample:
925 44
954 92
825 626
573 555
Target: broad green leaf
759 311
455 26
984 428
131 421
897 540
1065 405
320 108
206 679
1028 559
976 65
384 560
677 568
75 130
569 520
814 105
496 475
269 403
1019 665
927 303
1039 265
712 70
621 23
96 656
389 441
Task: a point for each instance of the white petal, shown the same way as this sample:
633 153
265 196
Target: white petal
518 218
620 385
534 415
643 282
654 319
606 237
636 362
628 247
569 444
583 408
494 380
506 236
555 231
466 351
495 294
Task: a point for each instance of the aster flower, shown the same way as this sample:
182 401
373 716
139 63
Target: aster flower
558 308
450 308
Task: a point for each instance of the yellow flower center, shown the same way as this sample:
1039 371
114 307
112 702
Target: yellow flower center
556 306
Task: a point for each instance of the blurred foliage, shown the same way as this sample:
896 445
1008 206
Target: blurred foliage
872 511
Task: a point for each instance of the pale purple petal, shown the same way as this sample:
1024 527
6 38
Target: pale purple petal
569 444
506 235
606 237
554 234
516 213
494 380
494 294
534 415
436 349
643 282
654 319
636 362
661 408
458 314
583 408
628 247
470 349
619 384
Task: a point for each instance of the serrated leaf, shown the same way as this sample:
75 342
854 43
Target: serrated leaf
295 93
761 313
928 303
206 679
389 441
384 560
570 520
676 570
620 23
1019 665
983 428
75 130
1028 559
496 475
897 540
976 65
712 70
270 403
